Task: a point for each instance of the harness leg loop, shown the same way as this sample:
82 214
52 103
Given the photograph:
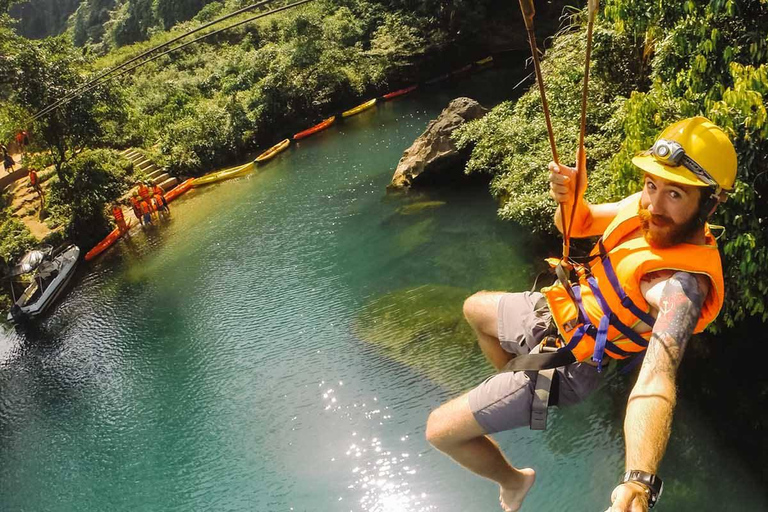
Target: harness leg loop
540 403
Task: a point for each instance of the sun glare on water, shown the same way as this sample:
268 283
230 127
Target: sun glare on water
380 472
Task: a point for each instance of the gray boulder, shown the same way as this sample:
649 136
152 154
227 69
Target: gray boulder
433 157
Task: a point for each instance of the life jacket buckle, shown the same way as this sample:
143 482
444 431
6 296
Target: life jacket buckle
570 324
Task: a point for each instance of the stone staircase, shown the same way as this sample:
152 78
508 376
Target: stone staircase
156 175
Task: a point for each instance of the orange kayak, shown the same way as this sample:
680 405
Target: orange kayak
105 244
178 190
317 128
400 92
273 151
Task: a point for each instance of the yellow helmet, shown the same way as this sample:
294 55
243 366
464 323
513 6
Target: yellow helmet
693 151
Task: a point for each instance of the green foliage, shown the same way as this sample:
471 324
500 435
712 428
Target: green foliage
6 4
85 186
210 12
251 86
170 12
130 22
511 141
89 22
15 239
43 73
199 141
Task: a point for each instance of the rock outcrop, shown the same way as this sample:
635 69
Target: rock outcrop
433 157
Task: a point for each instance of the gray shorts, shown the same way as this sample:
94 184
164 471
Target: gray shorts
503 401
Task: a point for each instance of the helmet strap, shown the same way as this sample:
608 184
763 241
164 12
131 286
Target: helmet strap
709 203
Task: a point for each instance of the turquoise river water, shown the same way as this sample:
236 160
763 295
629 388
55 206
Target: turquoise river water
248 353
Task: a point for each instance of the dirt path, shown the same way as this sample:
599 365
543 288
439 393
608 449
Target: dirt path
25 202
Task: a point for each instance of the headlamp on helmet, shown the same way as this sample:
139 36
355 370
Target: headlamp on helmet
671 153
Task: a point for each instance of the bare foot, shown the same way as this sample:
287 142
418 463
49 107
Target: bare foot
512 498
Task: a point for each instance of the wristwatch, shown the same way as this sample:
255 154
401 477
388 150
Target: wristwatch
652 483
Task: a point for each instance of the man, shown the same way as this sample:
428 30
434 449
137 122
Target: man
117 213
146 212
162 204
8 162
136 207
34 180
654 278
143 191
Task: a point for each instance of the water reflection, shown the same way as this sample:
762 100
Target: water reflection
382 474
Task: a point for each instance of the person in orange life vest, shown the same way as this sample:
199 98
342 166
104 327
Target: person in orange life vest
145 213
35 182
22 139
654 279
154 207
143 191
160 196
117 213
135 206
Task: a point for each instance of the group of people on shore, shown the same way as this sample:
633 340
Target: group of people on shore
147 201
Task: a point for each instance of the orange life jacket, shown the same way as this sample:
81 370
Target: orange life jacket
608 289
33 178
144 207
144 191
118 213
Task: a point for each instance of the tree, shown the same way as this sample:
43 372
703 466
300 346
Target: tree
45 72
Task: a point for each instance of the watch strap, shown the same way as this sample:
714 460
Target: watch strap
651 482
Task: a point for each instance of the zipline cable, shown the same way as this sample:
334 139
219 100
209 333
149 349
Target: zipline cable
592 7
529 11
89 85
243 22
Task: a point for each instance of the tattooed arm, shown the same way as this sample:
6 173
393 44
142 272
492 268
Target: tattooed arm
648 422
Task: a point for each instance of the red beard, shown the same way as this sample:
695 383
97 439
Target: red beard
666 233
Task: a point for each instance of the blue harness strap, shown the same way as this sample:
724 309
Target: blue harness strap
626 301
609 318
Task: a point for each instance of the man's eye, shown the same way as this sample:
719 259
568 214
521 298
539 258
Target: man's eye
674 195
650 185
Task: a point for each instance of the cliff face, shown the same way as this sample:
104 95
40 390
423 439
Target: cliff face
433 157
